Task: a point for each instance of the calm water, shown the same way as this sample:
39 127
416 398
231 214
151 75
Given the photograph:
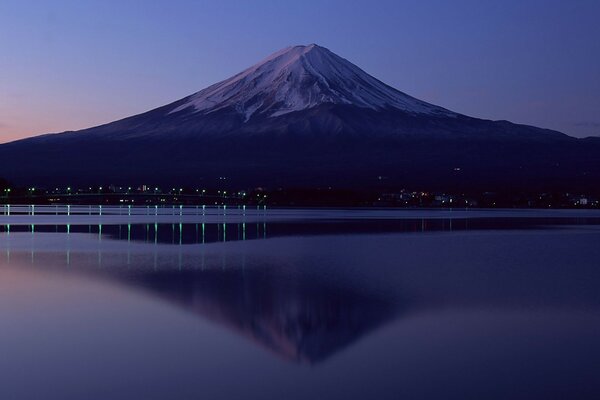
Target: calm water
301 305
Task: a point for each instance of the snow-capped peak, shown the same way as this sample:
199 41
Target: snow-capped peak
298 78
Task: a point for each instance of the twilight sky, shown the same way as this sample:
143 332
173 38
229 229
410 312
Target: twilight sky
72 64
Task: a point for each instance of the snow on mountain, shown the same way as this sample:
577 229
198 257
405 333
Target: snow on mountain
298 78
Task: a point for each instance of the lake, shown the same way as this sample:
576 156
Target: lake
215 303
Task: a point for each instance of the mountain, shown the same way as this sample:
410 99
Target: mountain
306 117
300 78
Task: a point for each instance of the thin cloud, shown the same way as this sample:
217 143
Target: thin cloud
588 124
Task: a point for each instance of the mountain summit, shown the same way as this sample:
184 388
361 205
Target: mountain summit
298 78
305 116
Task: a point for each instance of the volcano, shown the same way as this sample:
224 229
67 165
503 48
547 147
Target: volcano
306 117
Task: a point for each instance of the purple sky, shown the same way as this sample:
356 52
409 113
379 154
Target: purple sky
67 65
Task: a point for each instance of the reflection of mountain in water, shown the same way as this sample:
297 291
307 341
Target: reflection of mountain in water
298 314
298 318
300 311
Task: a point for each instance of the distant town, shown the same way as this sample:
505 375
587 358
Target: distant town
281 197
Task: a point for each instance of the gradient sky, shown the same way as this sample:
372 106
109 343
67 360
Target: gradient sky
67 65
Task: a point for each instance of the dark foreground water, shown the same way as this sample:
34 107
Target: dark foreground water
502 306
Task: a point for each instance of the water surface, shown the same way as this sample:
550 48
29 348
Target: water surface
297 304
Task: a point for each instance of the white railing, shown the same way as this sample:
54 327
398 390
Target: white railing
99 210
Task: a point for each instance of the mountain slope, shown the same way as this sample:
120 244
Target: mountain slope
298 78
307 117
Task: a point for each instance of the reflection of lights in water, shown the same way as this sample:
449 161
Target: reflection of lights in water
8 245
179 256
68 245
133 232
32 243
99 247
